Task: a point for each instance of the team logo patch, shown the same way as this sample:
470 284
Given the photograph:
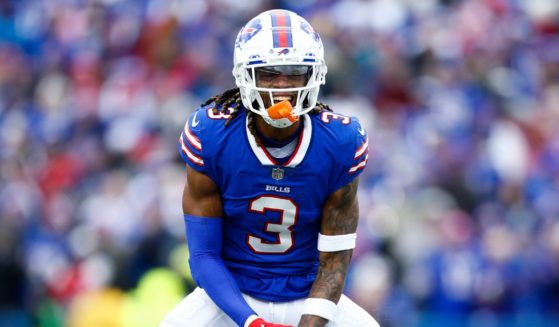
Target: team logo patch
277 173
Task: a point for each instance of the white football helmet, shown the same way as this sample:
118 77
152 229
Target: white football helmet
285 40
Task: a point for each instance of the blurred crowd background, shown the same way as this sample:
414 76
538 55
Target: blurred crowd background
459 219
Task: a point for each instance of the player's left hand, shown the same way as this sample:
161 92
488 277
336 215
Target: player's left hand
262 323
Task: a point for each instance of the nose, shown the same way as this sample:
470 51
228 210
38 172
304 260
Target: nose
282 81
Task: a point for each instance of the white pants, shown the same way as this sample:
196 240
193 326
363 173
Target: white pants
198 310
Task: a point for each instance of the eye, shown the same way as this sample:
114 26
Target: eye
295 72
267 72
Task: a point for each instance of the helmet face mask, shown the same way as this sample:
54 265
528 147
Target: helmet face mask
282 43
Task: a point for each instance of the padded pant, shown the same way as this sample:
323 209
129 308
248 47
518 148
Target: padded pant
198 310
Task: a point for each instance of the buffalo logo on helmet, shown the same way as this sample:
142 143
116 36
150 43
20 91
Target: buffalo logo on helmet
307 28
249 31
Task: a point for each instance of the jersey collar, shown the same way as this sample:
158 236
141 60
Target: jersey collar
298 155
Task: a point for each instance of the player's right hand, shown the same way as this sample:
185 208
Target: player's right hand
259 322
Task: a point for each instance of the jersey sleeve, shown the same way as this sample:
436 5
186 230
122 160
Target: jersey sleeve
190 144
356 155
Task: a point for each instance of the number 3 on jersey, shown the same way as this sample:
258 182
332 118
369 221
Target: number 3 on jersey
288 211
328 116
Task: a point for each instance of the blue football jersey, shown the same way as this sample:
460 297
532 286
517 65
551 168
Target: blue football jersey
272 212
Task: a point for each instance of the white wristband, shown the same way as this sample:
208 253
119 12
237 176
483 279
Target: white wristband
319 307
334 243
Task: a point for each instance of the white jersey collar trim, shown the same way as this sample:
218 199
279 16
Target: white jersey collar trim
297 156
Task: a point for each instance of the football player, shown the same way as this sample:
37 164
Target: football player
270 201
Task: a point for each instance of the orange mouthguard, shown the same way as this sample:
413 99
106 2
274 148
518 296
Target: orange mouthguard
282 109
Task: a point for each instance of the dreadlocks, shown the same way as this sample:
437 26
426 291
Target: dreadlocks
233 97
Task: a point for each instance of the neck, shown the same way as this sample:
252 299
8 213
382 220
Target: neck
276 134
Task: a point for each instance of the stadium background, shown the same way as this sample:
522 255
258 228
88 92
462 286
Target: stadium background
459 203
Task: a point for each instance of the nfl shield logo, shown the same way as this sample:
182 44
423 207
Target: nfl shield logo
277 173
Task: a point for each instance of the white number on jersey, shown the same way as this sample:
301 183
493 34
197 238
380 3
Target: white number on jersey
220 114
326 115
288 217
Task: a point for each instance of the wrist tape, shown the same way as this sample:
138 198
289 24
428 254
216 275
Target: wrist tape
319 307
334 243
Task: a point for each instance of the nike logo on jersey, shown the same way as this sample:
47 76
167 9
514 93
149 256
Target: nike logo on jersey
280 189
361 130
194 121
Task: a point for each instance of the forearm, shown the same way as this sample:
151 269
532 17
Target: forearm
329 282
208 269
335 243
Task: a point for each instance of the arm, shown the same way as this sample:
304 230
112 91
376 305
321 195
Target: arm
339 216
201 196
203 210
